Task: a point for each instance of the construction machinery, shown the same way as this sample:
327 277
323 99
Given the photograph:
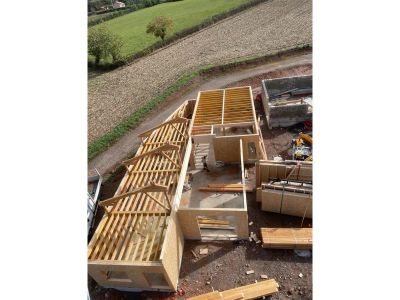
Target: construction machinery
302 147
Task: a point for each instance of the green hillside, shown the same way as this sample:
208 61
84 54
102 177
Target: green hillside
185 14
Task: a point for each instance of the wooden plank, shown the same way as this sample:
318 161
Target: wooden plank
152 187
165 147
237 296
287 238
247 292
238 185
212 221
176 119
255 290
209 296
225 189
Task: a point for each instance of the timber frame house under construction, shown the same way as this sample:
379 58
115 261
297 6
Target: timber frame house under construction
138 244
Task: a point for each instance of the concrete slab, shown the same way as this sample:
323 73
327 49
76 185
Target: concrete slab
200 178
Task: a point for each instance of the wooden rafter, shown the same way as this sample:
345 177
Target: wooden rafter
166 147
139 212
175 120
170 159
152 187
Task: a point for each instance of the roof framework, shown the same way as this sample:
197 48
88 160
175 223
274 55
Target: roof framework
138 214
223 107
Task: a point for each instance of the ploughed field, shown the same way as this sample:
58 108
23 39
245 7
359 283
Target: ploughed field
263 29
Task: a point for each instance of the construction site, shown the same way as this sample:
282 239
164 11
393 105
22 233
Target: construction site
204 208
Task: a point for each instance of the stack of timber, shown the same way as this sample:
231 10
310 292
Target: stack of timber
225 187
247 292
286 238
205 222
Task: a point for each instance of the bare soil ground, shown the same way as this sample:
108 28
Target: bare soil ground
225 265
265 28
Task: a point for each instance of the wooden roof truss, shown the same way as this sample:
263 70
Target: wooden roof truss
137 216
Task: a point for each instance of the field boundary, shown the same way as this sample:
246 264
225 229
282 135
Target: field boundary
103 143
175 37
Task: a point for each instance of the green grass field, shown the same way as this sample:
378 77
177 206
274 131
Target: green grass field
184 14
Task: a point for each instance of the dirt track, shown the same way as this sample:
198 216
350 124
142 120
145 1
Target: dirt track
268 27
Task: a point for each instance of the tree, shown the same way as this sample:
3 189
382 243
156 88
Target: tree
159 26
103 43
115 47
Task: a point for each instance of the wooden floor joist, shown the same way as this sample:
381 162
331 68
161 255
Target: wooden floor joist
247 292
286 238
220 107
138 214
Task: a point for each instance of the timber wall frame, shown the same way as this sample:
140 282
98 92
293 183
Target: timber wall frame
139 233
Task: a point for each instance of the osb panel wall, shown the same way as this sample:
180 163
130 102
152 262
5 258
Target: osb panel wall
135 274
190 228
173 251
227 149
293 204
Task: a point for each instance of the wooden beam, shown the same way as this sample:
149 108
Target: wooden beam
170 159
174 120
246 292
158 202
139 212
152 187
165 147
180 132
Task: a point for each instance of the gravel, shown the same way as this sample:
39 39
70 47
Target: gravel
265 28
